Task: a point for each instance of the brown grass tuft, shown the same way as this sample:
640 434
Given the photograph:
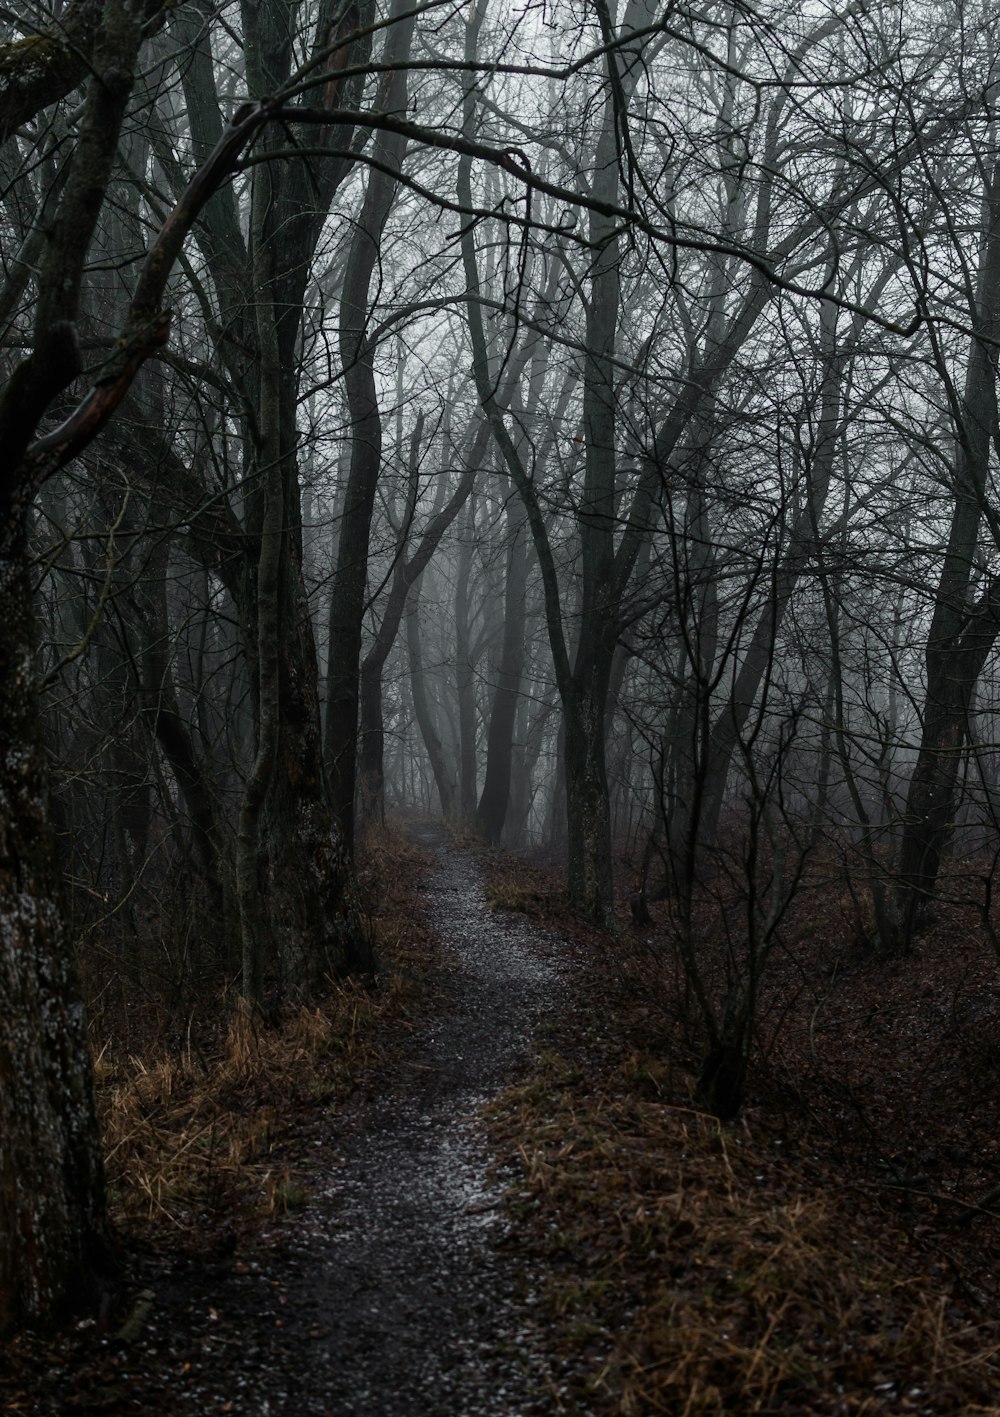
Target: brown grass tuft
506 892
214 1132
192 1137
513 890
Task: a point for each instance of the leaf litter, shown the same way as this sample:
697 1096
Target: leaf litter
834 1251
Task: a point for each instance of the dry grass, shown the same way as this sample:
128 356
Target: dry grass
190 1135
384 853
215 1132
691 1271
513 889
507 893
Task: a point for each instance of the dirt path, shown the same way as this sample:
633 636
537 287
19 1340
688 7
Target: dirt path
393 1297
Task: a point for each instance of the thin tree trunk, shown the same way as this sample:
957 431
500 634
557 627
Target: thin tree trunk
731 720
583 687
349 589
173 734
406 574
269 477
960 638
465 676
492 811
444 779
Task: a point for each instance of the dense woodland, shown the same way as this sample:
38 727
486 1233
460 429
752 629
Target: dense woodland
577 421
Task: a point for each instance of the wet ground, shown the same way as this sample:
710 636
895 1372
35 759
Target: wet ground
393 1297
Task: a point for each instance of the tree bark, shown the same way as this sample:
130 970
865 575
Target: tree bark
39 70
492 811
465 669
583 687
357 352
54 1239
444 779
294 875
961 635
53 1229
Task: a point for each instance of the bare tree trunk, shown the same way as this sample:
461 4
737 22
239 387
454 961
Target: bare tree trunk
465 676
522 795
590 879
444 778
54 1243
269 479
54 1239
730 721
173 734
492 811
961 635
406 574
357 352
688 738
495 798
583 687
294 880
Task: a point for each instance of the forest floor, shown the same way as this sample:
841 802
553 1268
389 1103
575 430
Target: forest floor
482 1188
316 1224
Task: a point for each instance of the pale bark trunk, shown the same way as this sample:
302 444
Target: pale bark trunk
54 1248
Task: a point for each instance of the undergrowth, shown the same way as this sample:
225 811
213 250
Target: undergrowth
689 1271
817 1257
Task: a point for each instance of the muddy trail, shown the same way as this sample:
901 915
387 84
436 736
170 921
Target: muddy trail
390 1295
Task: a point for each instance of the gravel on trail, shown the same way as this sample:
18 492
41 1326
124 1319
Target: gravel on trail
392 1296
